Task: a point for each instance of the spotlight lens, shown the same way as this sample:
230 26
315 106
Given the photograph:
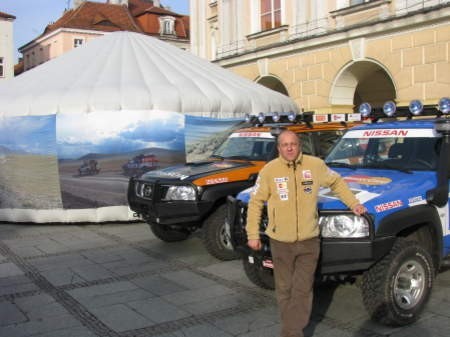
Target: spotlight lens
261 117
365 109
444 105
276 117
247 118
416 107
291 116
389 108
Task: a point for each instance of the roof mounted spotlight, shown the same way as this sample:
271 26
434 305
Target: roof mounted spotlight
261 117
389 108
444 105
248 118
291 116
276 117
365 109
415 107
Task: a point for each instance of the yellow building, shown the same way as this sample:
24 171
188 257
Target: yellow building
331 55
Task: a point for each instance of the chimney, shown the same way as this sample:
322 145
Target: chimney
118 2
156 3
77 3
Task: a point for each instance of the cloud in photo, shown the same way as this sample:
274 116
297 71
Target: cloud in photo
29 134
118 132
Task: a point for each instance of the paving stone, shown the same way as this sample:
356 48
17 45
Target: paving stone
119 297
16 284
72 332
10 314
9 269
121 317
102 289
61 277
257 320
158 285
34 328
204 330
188 279
158 310
198 295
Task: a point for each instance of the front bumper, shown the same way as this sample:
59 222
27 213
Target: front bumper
180 213
337 255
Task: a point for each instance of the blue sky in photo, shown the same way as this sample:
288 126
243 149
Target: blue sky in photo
28 134
113 132
198 128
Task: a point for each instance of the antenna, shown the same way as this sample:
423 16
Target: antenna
68 4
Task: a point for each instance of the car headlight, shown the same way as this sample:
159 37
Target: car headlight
180 193
344 226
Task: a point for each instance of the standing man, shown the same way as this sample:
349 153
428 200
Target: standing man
290 185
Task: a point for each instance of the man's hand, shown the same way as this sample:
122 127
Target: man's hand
254 244
359 209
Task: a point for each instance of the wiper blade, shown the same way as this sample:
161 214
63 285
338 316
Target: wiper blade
238 157
216 156
340 164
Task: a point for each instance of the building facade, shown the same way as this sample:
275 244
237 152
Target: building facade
331 55
6 46
87 20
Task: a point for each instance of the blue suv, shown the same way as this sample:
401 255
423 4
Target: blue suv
399 169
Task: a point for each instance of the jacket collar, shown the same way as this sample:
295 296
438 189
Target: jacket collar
297 161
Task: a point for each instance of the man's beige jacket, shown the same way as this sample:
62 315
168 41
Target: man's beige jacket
291 190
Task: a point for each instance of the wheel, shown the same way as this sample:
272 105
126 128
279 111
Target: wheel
258 275
396 289
215 236
168 234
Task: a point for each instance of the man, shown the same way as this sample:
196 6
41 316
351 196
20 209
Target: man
290 184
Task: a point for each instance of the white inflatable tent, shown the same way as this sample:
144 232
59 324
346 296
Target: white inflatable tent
119 74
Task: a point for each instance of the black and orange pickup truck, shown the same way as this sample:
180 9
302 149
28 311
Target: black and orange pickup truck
178 200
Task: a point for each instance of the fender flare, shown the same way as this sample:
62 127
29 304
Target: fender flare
406 218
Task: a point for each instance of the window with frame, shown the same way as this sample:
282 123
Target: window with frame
1 67
167 25
270 14
77 42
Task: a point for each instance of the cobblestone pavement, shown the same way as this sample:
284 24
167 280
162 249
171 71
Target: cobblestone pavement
118 280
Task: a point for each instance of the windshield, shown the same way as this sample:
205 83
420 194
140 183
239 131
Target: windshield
247 148
396 153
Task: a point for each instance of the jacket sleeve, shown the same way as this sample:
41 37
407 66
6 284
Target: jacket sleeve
339 187
259 195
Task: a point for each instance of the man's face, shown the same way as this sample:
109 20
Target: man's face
289 146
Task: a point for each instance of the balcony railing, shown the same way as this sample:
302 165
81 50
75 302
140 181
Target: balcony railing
324 25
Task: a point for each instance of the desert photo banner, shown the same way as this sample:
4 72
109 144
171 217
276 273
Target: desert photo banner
84 161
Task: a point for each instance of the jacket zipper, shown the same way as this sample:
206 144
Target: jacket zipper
295 199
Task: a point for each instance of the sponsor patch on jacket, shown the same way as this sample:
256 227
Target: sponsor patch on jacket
281 179
388 205
307 190
307 182
306 174
284 196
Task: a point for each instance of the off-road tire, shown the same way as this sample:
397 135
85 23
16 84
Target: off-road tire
407 264
258 275
217 242
168 234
